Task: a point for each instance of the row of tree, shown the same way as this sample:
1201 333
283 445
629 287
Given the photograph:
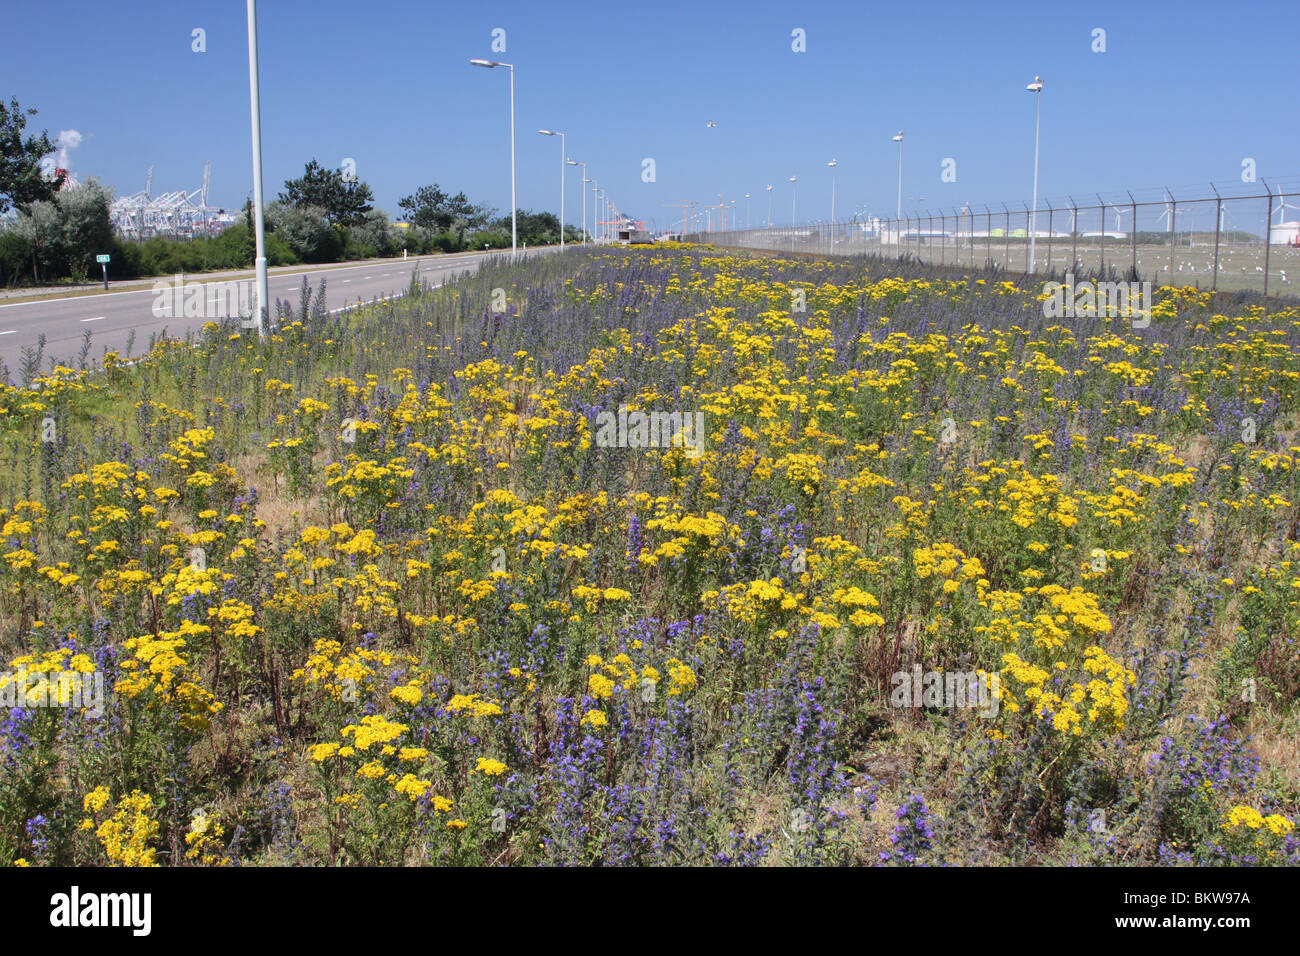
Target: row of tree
325 215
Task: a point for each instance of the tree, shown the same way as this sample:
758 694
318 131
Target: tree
307 231
431 208
534 228
345 203
66 233
22 181
375 234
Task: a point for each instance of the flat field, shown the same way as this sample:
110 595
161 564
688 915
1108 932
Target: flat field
661 556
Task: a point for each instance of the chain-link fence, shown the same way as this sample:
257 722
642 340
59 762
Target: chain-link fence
1226 241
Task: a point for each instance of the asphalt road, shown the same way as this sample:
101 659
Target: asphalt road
112 316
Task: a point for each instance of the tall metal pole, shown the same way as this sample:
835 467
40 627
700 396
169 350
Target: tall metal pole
833 164
563 162
746 210
259 226
1036 88
514 205
514 226
898 213
583 190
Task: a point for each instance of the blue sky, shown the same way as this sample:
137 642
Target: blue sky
1182 94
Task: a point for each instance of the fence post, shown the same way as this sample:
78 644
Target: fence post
961 226
1027 236
1133 232
1074 235
1051 214
1103 235
1268 226
1218 217
1006 255
1173 232
988 239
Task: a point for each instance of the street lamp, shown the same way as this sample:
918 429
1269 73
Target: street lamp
552 132
899 140
255 101
585 180
769 206
746 210
833 164
1036 88
514 226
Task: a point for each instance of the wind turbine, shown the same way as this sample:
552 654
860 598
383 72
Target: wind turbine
1167 216
1283 206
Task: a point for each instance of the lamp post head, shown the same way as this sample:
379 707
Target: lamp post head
485 63
833 162
794 179
899 137
769 188
573 162
1036 86
548 132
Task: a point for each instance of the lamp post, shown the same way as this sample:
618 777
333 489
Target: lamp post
585 180
833 164
514 225
255 104
769 206
746 210
1036 88
553 132
899 140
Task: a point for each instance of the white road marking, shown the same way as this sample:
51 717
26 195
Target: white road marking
94 318
451 262
10 332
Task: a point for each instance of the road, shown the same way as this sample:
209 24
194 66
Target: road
112 316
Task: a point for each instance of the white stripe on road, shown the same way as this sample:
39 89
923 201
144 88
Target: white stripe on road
94 319
10 332
438 262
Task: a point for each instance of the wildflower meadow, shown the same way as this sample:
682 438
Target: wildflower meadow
661 556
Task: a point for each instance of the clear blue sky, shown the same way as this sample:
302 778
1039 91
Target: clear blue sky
1182 94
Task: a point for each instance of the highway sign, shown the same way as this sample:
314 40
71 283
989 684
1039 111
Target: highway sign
101 258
